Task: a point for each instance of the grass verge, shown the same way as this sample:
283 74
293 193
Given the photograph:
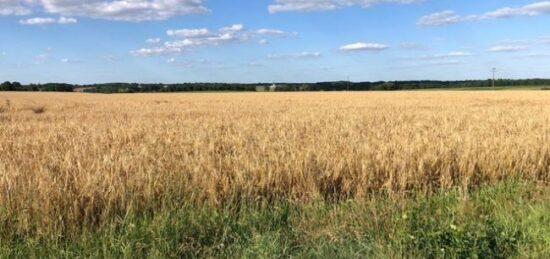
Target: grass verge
502 221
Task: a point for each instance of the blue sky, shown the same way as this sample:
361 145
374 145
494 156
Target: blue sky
169 41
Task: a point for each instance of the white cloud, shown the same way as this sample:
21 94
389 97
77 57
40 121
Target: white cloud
233 28
439 19
450 17
300 55
273 32
119 10
361 46
47 21
458 54
38 21
15 7
153 41
160 51
326 5
185 39
507 48
188 33
66 20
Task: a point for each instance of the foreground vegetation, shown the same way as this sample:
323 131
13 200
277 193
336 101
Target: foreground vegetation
507 220
415 174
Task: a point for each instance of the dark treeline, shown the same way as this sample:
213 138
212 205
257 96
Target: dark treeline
321 86
50 87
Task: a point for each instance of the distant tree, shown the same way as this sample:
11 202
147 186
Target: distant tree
17 86
7 86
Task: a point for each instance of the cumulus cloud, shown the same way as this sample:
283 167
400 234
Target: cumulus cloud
188 33
119 10
361 46
326 5
15 7
48 21
450 17
299 55
232 28
184 39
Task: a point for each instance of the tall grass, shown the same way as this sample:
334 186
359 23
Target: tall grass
92 160
502 221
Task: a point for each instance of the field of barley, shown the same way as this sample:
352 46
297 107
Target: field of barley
73 163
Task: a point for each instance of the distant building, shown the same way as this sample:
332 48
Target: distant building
273 88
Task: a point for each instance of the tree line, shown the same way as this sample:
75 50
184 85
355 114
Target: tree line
320 86
50 87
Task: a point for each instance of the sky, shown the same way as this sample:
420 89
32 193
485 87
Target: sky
249 41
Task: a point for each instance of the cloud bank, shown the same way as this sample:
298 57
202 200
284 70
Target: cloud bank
449 17
279 6
118 10
182 40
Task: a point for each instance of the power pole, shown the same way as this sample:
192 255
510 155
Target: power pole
494 77
348 83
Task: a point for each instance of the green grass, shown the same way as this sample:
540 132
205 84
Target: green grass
508 220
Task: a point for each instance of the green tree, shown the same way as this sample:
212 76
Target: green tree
7 86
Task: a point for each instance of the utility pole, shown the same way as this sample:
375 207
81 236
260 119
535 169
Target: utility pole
494 77
348 83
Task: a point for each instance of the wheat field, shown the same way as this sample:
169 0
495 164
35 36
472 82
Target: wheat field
71 161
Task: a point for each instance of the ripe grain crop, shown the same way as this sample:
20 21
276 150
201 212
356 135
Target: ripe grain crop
86 159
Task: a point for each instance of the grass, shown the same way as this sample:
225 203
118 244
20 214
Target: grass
503 221
401 174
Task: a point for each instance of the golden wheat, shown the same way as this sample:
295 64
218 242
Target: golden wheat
87 158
